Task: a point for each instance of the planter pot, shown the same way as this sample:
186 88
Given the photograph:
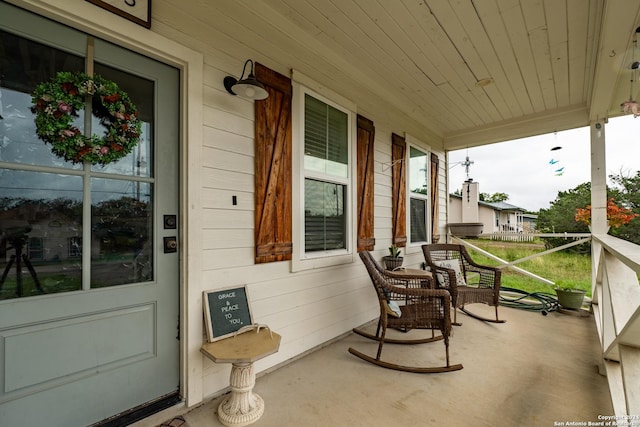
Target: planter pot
570 298
465 229
392 262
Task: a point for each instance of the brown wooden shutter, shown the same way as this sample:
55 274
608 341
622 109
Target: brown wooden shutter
273 209
398 186
366 135
435 198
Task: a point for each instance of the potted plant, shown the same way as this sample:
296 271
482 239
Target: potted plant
393 260
568 297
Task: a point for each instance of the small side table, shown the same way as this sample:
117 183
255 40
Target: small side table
412 273
242 407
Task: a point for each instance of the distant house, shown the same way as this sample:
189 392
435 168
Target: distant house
498 217
529 222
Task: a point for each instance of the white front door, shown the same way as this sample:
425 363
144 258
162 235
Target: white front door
89 296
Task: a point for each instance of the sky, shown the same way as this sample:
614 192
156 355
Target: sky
532 174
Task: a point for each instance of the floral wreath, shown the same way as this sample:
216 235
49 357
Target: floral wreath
56 104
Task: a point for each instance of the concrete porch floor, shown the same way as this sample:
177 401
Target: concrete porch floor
534 370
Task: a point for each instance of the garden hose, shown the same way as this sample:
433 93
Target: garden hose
534 301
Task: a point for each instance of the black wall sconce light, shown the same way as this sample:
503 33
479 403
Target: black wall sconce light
247 88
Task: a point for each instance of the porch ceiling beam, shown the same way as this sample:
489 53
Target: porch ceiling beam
533 124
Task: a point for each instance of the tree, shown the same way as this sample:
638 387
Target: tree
560 217
494 198
627 189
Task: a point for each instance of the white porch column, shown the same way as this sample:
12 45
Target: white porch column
598 179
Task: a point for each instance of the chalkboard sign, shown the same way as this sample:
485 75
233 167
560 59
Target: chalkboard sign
226 311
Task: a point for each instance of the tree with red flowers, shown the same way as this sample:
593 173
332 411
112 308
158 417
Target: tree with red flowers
616 215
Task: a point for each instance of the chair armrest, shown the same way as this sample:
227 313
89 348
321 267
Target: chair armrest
490 277
448 274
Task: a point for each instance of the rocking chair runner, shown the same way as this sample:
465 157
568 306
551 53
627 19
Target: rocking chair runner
468 281
407 303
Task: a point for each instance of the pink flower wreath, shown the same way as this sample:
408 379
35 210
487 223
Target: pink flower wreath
57 102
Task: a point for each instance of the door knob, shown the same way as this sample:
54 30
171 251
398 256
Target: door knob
170 244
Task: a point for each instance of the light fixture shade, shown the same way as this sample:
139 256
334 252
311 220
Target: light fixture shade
247 88
250 88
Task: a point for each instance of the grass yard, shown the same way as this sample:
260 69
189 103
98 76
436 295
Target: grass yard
563 268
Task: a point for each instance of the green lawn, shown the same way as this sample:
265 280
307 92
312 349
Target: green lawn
563 268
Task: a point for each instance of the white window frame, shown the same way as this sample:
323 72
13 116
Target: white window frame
412 142
301 260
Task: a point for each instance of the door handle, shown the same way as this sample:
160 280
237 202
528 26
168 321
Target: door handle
170 244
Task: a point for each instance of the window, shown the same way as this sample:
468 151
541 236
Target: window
35 248
418 198
326 176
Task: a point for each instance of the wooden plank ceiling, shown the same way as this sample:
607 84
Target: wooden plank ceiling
469 72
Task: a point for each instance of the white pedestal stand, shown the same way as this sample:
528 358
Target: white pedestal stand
242 407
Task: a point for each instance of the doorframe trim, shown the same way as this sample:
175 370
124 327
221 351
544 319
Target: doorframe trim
101 23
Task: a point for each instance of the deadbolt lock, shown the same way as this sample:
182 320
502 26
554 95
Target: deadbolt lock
170 222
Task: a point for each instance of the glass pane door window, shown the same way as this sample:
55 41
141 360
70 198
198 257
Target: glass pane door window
50 208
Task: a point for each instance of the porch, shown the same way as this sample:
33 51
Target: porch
534 370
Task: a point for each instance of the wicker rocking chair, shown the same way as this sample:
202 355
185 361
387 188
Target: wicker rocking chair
406 303
467 281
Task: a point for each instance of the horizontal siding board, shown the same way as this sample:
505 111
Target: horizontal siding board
213 198
225 218
316 316
227 258
383 236
254 276
226 160
228 238
304 305
228 122
220 139
383 211
380 190
235 181
300 282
